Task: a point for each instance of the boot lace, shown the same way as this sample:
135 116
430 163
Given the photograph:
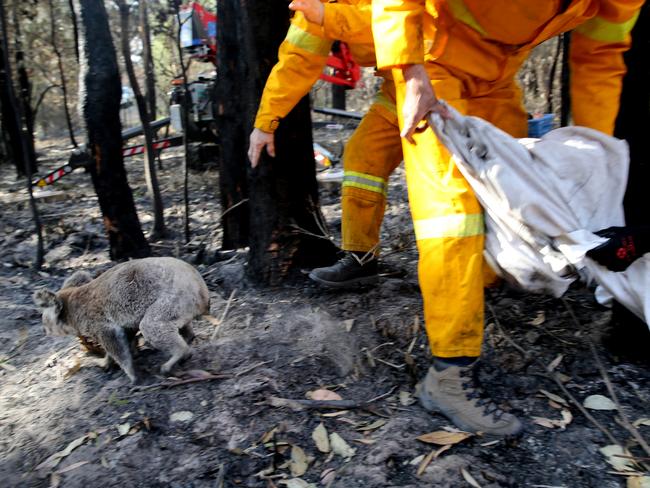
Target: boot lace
482 399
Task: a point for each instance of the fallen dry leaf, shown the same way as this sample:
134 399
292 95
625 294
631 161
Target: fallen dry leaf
406 399
71 467
123 429
613 454
299 461
7 366
599 402
551 423
367 442
425 463
638 482
268 435
554 364
443 438
642 421
320 437
327 476
373 426
52 461
335 414
539 319
554 397
469 478
323 394
297 483
340 447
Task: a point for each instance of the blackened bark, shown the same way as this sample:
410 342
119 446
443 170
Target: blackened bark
150 156
11 128
634 117
100 105
286 230
13 109
75 28
232 125
24 98
59 59
149 73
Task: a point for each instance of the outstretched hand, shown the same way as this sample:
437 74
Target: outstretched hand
313 10
258 141
419 101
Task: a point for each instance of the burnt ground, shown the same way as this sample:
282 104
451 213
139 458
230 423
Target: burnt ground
285 342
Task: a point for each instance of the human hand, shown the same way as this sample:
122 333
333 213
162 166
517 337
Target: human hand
419 101
313 10
258 141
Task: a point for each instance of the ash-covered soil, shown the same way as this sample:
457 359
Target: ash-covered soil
219 421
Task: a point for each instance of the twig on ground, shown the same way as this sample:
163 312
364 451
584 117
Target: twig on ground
327 404
554 377
224 314
170 384
625 421
251 368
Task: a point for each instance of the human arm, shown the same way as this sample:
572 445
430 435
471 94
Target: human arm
397 29
597 66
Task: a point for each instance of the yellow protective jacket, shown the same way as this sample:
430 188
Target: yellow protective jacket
303 55
486 42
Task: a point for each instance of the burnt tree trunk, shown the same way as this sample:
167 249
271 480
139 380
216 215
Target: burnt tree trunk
59 59
286 229
13 109
100 106
338 96
75 28
629 336
634 117
150 156
11 128
232 126
147 59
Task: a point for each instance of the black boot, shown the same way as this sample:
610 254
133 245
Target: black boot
352 269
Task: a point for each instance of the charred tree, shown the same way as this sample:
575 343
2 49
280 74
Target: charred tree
59 59
10 126
629 336
633 119
286 229
150 158
147 58
100 106
13 109
75 28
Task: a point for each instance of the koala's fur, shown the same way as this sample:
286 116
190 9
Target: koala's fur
158 296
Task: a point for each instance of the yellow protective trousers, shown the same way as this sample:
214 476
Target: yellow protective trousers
447 218
371 155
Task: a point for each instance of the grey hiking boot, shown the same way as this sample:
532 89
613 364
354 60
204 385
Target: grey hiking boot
347 271
454 393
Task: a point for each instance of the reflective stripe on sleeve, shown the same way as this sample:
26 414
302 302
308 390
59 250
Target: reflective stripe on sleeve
307 41
364 181
455 225
603 30
382 99
460 11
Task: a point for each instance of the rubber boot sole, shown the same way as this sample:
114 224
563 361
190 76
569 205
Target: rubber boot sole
363 280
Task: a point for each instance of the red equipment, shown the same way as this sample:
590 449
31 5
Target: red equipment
344 70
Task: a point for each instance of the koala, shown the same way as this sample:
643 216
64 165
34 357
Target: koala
158 296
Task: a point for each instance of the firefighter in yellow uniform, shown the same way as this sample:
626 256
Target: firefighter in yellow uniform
374 150
471 63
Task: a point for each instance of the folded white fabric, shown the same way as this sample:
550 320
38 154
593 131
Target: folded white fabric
543 199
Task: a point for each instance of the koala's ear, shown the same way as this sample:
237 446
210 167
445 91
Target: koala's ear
45 298
77 278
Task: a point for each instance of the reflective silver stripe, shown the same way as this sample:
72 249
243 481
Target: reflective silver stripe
455 225
308 41
365 182
603 30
